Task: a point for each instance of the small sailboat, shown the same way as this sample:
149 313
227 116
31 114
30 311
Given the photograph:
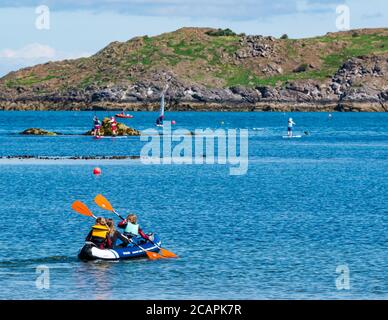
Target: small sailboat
160 118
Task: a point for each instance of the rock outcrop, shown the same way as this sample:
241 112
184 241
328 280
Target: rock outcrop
122 129
39 132
255 46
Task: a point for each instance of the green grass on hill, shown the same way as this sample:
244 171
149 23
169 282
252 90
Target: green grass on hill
355 46
28 81
215 52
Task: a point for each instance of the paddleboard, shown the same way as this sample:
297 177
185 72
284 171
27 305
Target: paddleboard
288 137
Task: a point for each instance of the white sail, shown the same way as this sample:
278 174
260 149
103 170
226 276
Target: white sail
161 109
159 119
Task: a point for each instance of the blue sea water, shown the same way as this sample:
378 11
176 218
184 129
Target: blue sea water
304 208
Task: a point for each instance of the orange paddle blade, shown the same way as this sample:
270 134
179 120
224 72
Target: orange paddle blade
81 208
102 202
168 254
153 255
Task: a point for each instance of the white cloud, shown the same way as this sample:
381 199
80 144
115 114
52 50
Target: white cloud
32 54
30 51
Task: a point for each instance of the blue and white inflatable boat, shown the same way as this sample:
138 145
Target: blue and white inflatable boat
90 251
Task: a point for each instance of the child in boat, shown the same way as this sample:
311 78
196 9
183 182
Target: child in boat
114 235
96 126
131 228
113 124
99 234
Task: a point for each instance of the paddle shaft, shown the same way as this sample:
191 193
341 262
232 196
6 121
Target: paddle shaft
114 211
130 240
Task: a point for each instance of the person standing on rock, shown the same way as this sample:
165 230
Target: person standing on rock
113 124
96 126
290 125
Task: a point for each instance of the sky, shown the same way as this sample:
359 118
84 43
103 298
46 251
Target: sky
37 31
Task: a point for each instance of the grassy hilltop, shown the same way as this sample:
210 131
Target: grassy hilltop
202 57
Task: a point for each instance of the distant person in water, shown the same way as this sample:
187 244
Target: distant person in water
113 124
290 125
96 126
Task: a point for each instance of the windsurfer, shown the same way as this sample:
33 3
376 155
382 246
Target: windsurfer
160 118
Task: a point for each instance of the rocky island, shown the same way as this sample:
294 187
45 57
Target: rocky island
122 129
38 132
213 70
105 130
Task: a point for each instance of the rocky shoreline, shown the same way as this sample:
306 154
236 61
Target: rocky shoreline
371 105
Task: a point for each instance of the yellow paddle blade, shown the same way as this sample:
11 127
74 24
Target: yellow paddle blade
81 208
168 254
103 202
153 255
